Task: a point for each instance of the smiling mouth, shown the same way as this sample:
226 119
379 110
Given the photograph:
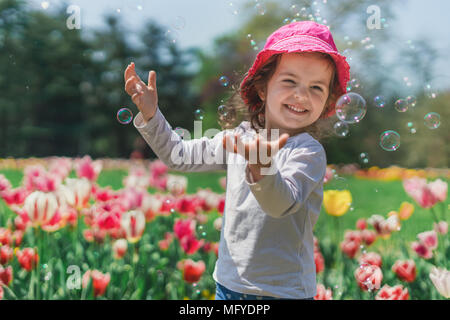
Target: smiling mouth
295 110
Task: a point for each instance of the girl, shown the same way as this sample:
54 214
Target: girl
266 248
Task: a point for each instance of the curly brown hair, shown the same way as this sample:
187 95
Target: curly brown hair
254 110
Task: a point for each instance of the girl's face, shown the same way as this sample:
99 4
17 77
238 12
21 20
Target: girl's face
300 81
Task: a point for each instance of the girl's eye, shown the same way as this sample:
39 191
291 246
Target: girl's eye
317 88
289 81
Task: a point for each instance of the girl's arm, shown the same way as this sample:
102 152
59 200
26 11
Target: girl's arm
202 154
290 187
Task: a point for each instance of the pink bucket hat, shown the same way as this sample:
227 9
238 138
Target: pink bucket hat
302 36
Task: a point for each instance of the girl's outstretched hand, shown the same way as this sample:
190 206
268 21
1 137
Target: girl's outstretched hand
257 152
145 97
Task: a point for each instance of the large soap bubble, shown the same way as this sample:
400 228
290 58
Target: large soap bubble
351 107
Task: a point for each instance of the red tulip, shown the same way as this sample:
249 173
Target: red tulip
5 236
368 277
319 261
372 258
322 293
120 248
392 293
405 270
100 281
221 205
190 244
361 224
192 271
368 236
6 254
350 248
182 228
28 258
6 275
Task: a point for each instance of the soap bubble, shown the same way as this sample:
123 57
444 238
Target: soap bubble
233 9
411 101
432 120
351 107
124 116
389 140
199 114
223 81
429 91
171 36
364 157
341 128
401 105
179 23
260 8
380 102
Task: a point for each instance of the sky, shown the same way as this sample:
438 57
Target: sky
196 23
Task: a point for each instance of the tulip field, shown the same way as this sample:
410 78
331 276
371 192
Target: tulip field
132 229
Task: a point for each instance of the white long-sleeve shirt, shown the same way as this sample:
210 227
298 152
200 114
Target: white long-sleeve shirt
266 242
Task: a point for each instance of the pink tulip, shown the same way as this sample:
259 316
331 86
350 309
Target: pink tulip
120 248
421 250
441 227
4 183
192 271
322 293
15 196
82 190
182 228
60 167
426 195
133 222
429 239
158 168
392 293
86 168
40 207
439 189
368 277
405 270
368 236
371 258
328 175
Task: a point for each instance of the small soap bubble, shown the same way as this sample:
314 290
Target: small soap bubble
390 140
413 130
181 132
411 101
432 120
199 114
351 107
171 36
341 128
223 80
233 9
410 124
380 102
429 91
364 157
260 8
48 276
401 105
124 116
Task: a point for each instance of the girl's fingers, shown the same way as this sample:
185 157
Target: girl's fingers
130 84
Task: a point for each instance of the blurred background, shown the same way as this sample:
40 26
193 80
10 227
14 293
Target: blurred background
62 64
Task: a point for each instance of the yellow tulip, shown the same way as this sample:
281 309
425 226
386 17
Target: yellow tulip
406 210
337 203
